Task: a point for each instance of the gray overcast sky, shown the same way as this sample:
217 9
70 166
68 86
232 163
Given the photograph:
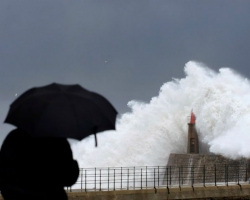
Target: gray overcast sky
124 50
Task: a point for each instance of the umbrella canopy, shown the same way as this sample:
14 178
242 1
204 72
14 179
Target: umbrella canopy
57 110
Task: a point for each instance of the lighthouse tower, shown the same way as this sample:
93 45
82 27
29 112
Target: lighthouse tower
193 142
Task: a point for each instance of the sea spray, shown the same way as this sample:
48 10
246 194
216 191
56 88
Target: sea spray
151 131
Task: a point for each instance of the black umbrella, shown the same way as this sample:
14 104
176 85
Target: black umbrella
58 110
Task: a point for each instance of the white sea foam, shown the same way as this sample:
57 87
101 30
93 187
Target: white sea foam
151 131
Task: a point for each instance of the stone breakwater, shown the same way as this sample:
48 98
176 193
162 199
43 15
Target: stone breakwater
208 168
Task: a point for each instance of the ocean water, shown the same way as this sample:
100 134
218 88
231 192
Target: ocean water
147 134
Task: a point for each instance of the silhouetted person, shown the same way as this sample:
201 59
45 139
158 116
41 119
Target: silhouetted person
36 168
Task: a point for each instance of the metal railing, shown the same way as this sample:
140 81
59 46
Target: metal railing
133 178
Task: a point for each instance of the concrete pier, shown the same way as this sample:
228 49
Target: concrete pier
198 192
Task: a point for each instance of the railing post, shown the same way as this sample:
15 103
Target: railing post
215 175
121 178
141 178
85 180
114 179
170 175
95 178
100 179
192 175
227 173
128 180
134 177
108 178
204 175
158 176
146 177
167 177
238 174
81 171
154 177
179 176
246 172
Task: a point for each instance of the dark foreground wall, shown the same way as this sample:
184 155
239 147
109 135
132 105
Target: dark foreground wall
212 192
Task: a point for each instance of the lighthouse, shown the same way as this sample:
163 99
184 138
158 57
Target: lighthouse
193 142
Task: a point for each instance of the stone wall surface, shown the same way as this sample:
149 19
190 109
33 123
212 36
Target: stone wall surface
197 168
202 159
215 193
201 193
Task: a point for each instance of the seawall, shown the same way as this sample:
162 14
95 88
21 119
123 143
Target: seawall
202 159
197 192
210 192
199 168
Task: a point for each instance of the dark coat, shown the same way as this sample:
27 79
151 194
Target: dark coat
36 168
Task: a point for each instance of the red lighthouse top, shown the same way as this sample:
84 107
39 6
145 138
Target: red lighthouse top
192 118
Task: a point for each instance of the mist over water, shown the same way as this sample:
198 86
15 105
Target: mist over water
151 131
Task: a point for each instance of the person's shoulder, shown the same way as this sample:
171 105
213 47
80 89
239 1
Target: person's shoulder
16 135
